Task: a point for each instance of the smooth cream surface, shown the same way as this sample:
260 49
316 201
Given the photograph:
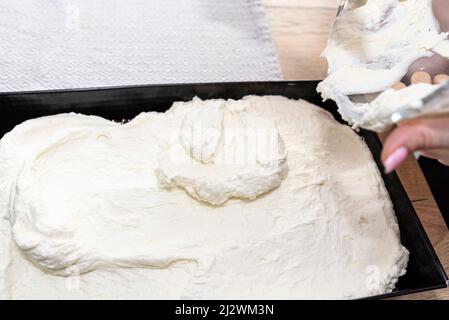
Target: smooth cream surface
372 46
84 214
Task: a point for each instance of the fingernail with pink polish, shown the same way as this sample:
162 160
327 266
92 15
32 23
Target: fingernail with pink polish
395 159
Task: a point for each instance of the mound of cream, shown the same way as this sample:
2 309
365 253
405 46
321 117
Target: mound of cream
91 210
372 45
223 152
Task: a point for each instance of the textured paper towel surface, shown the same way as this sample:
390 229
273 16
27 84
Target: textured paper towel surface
55 44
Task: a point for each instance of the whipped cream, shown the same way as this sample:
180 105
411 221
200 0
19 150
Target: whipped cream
372 46
83 214
379 114
223 152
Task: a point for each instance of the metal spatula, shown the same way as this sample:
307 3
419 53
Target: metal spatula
436 104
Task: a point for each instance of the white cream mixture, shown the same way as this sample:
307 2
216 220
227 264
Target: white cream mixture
372 45
223 152
188 204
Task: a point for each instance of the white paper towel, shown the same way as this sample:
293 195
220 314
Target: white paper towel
54 44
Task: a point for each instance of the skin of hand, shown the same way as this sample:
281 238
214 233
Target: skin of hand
428 136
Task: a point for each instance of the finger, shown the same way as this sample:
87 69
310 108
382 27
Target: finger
418 134
440 78
421 77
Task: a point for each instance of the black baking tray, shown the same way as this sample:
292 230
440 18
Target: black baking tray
424 271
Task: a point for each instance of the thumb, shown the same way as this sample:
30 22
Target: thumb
414 135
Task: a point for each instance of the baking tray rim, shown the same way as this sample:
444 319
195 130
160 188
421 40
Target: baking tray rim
143 86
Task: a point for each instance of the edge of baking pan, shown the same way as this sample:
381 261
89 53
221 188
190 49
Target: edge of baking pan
135 94
143 86
162 85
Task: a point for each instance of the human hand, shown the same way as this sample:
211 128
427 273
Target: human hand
428 136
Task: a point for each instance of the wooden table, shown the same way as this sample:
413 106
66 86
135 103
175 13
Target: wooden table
300 29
